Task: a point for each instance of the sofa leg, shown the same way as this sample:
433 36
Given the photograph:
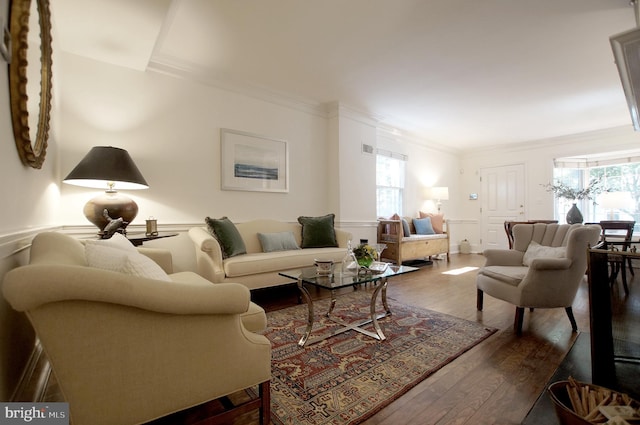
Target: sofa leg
479 299
574 325
517 324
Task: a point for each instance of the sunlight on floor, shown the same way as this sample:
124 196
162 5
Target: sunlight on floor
461 270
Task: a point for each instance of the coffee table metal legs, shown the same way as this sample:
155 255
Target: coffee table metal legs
374 317
381 287
307 299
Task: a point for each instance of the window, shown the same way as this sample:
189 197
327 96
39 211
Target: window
620 178
390 170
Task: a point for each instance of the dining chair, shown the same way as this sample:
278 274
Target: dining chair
617 236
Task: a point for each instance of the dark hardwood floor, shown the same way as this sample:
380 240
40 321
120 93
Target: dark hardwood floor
496 382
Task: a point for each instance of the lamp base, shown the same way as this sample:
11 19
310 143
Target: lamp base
116 205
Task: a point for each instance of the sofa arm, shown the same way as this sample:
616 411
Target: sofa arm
343 237
503 257
28 287
161 256
208 255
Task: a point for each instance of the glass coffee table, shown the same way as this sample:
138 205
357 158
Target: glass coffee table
309 277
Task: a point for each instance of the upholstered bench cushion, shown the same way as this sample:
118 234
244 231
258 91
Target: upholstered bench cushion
415 237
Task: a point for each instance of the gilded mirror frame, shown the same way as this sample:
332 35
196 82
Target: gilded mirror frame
32 150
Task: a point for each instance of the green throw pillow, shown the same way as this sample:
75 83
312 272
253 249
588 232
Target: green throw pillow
227 236
318 232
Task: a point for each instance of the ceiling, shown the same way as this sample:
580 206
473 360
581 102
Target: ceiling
464 74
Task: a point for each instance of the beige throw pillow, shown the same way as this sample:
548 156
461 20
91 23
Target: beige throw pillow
108 257
535 250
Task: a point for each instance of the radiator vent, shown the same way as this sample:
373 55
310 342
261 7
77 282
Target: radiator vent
367 148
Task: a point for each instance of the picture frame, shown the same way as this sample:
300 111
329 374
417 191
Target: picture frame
251 162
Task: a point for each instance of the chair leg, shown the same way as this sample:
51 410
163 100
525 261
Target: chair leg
574 325
517 324
265 405
630 267
624 278
479 299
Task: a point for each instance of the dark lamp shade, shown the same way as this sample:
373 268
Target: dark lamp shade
104 165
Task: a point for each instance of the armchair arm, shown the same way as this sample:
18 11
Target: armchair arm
503 257
30 286
208 254
550 264
161 256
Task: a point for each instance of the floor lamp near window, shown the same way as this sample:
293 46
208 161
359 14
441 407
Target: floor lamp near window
439 194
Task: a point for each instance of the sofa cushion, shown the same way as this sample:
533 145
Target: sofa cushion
279 241
423 226
227 236
318 232
535 250
512 275
119 260
269 262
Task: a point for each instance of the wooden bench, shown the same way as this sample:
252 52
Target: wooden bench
401 247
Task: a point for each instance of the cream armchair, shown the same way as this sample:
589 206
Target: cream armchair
127 349
543 270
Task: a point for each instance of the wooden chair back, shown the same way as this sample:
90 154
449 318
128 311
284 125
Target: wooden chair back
508 227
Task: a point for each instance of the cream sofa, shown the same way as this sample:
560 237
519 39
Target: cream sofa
128 349
258 269
403 247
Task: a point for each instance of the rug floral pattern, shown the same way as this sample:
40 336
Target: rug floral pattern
349 377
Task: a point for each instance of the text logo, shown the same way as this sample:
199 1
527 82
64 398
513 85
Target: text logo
34 413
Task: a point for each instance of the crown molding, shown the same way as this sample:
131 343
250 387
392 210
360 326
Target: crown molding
405 136
169 65
620 134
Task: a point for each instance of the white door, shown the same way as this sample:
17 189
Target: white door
502 200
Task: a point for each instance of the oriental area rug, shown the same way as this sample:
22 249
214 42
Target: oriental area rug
349 377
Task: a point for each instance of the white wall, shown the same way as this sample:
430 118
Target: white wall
171 128
537 157
29 204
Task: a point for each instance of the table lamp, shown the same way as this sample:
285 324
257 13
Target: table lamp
612 201
108 167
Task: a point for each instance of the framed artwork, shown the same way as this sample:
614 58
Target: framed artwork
253 162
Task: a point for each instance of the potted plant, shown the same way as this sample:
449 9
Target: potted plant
563 191
365 254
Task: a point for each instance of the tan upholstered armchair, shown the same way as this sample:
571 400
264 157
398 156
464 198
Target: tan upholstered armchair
543 270
128 349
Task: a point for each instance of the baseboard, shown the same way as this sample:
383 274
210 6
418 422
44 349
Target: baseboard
35 377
